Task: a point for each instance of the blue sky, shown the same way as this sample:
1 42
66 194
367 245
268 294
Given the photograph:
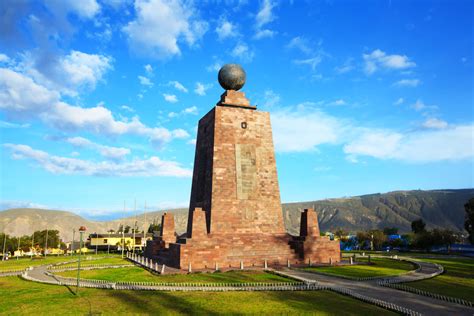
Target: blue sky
99 99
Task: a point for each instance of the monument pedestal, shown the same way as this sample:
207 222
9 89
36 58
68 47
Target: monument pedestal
235 214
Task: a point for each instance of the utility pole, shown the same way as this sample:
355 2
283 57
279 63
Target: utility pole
32 244
108 244
82 229
144 228
96 242
46 243
123 230
134 226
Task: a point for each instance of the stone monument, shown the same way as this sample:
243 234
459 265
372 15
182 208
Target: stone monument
235 217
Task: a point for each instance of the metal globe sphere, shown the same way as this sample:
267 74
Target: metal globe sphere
232 77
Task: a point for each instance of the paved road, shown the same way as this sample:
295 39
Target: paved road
421 304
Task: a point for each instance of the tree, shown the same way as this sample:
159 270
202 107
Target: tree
390 230
340 233
418 226
362 239
127 229
378 238
154 228
469 219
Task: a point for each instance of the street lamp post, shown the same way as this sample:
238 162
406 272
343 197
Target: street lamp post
82 229
73 239
18 251
32 244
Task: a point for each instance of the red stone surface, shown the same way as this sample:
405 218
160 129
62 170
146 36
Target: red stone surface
167 232
235 210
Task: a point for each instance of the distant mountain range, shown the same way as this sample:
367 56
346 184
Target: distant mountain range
438 208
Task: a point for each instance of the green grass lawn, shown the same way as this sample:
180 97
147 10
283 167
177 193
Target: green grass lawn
457 281
22 263
136 274
109 260
380 267
20 297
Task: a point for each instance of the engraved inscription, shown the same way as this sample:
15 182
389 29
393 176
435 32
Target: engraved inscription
246 170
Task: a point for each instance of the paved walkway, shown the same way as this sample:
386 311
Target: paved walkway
420 304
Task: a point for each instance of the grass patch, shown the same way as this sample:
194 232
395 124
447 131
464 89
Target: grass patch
457 281
108 260
22 263
380 267
22 298
136 274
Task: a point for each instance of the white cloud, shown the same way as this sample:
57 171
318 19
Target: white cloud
191 141
127 108
419 105
309 128
148 69
379 59
263 17
114 153
178 86
144 81
313 128
338 102
85 69
435 123
180 133
5 205
201 88
301 44
226 29
171 98
243 52
346 67
264 33
216 66
86 9
374 143
4 124
312 62
152 166
453 143
69 73
322 169
4 58
399 101
271 98
407 83
161 25
191 111
21 96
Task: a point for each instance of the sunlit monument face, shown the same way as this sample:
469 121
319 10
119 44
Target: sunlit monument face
235 216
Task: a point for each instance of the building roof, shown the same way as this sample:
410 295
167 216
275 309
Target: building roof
118 235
